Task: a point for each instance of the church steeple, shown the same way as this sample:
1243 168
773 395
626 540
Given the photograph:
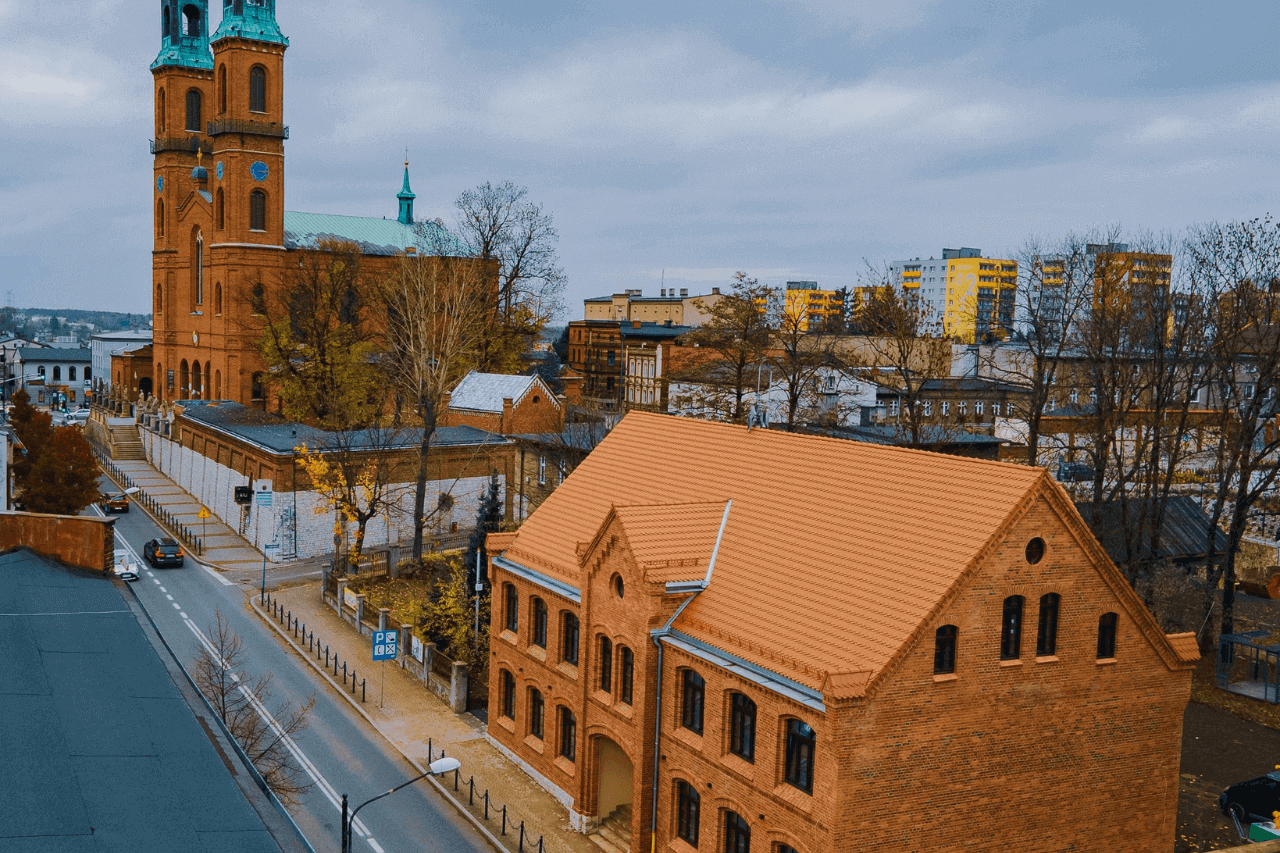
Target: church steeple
406 197
184 35
254 20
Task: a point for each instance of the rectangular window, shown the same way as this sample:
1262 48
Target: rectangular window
801 741
1011 629
542 470
688 805
627 665
742 727
946 408
560 466
568 734
539 623
606 664
569 646
508 695
693 692
1107 636
928 408
979 407
944 650
536 707
511 608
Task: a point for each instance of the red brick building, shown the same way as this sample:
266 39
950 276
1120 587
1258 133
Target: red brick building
757 641
504 404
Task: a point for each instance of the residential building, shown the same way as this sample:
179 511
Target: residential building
814 308
743 640
965 296
543 461
597 350
9 375
504 404
678 308
54 376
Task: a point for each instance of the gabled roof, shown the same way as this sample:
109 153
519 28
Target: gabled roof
811 577
484 392
52 354
672 543
373 235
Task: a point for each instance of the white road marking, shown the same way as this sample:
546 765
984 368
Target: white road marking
323 784
183 615
170 597
377 848
219 578
177 607
156 581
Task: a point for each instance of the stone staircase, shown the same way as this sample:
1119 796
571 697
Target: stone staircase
614 833
125 443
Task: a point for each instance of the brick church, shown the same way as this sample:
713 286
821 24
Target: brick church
222 236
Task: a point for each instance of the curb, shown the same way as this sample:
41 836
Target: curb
444 792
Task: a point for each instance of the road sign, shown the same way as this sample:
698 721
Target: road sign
264 498
204 512
271 546
384 645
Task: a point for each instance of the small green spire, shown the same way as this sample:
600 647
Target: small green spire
406 197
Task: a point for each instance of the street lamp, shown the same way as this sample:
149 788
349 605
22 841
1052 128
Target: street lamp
435 768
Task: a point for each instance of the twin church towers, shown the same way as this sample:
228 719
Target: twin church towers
222 236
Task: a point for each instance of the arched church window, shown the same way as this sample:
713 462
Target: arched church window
217 298
220 211
164 21
257 211
199 270
160 218
222 89
161 124
258 89
159 297
57 373
193 111
191 20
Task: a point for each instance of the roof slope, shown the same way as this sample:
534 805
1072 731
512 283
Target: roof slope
1184 530
833 553
374 236
672 542
484 392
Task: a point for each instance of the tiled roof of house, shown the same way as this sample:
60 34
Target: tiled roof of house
1185 645
484 392
833 553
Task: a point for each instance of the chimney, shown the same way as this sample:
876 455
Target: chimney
508 405
684 291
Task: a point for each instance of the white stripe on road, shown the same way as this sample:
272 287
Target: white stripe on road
177 606
170 597
219 578
377 848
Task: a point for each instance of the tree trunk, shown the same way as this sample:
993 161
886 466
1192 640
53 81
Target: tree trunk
420 487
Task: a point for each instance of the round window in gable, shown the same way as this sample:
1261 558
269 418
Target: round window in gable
618 585
536 399
1035 550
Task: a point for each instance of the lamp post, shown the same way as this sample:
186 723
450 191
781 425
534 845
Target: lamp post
435 768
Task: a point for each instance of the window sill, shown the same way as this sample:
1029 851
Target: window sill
738 765
945 677
1047 659
197 313
509 636
688 737
602 697
569 669
679 845
538 652
623 709
793 796
1017 662
566 766
534 743
1107 661
507 723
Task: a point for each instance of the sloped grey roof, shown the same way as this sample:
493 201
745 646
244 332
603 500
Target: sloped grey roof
374 236
484 392
54 354
1184 530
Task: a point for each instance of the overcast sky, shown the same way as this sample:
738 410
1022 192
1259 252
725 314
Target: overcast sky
788 138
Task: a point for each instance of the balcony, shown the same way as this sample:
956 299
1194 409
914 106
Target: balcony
189 143
240 125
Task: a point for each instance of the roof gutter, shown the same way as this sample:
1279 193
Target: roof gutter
696 587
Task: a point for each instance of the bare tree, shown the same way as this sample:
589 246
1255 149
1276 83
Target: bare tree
437 311
242 703
499 223
800 353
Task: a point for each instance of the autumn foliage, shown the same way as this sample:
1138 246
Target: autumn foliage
59 473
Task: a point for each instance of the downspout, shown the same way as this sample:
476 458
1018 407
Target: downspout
657 715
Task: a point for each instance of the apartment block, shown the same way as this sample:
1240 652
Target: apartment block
965 296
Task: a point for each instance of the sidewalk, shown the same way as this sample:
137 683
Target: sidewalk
409 716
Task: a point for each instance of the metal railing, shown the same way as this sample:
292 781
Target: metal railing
307 639
241 125
182 143
477 800
158 511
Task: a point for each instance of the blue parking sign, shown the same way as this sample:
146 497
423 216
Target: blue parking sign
384 645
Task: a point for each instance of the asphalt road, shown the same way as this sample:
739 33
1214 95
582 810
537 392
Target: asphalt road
339 750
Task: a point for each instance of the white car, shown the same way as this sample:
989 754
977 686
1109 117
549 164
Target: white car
125 567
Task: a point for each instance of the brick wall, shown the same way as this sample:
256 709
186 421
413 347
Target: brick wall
83 541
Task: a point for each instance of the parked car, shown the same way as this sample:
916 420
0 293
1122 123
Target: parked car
162 552
79 417
124 566
1256 799
115 503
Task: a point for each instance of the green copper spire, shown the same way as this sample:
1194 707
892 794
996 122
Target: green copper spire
406 197
184 34
250 19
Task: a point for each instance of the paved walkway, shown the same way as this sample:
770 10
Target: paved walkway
405 712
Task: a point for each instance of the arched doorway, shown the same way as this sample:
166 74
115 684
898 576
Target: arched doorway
217 385
196 376
144 386
184 380
615 776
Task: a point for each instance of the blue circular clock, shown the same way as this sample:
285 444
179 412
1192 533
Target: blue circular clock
159 183
218 169
259 170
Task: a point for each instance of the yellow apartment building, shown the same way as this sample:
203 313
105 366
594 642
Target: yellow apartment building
966 296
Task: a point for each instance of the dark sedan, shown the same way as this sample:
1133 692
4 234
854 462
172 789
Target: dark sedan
162 552
1257 799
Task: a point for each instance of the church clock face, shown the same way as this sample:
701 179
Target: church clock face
218 169
159 183
259 170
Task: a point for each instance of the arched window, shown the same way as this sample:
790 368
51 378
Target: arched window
568 734
57 373
508 695
510 608
944 649
626 673
692 697
742 726
1047 635
217 298
217 385
191 20
198 259
801 741
195 380
220 211
688 805
1107 624
537 708
257 211
184 378
257 89
1011 629
256 390
40 371
161 124
737 834
164 22
193 111
71 374
159 297
606 664
539 633
222 89
569 639
160 218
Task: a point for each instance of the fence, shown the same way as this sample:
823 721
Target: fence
166 518
476 799
307 639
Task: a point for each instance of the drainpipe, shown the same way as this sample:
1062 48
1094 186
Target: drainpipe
658 636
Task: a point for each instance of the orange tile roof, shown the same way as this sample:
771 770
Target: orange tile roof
672 542
1185 646
834 551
